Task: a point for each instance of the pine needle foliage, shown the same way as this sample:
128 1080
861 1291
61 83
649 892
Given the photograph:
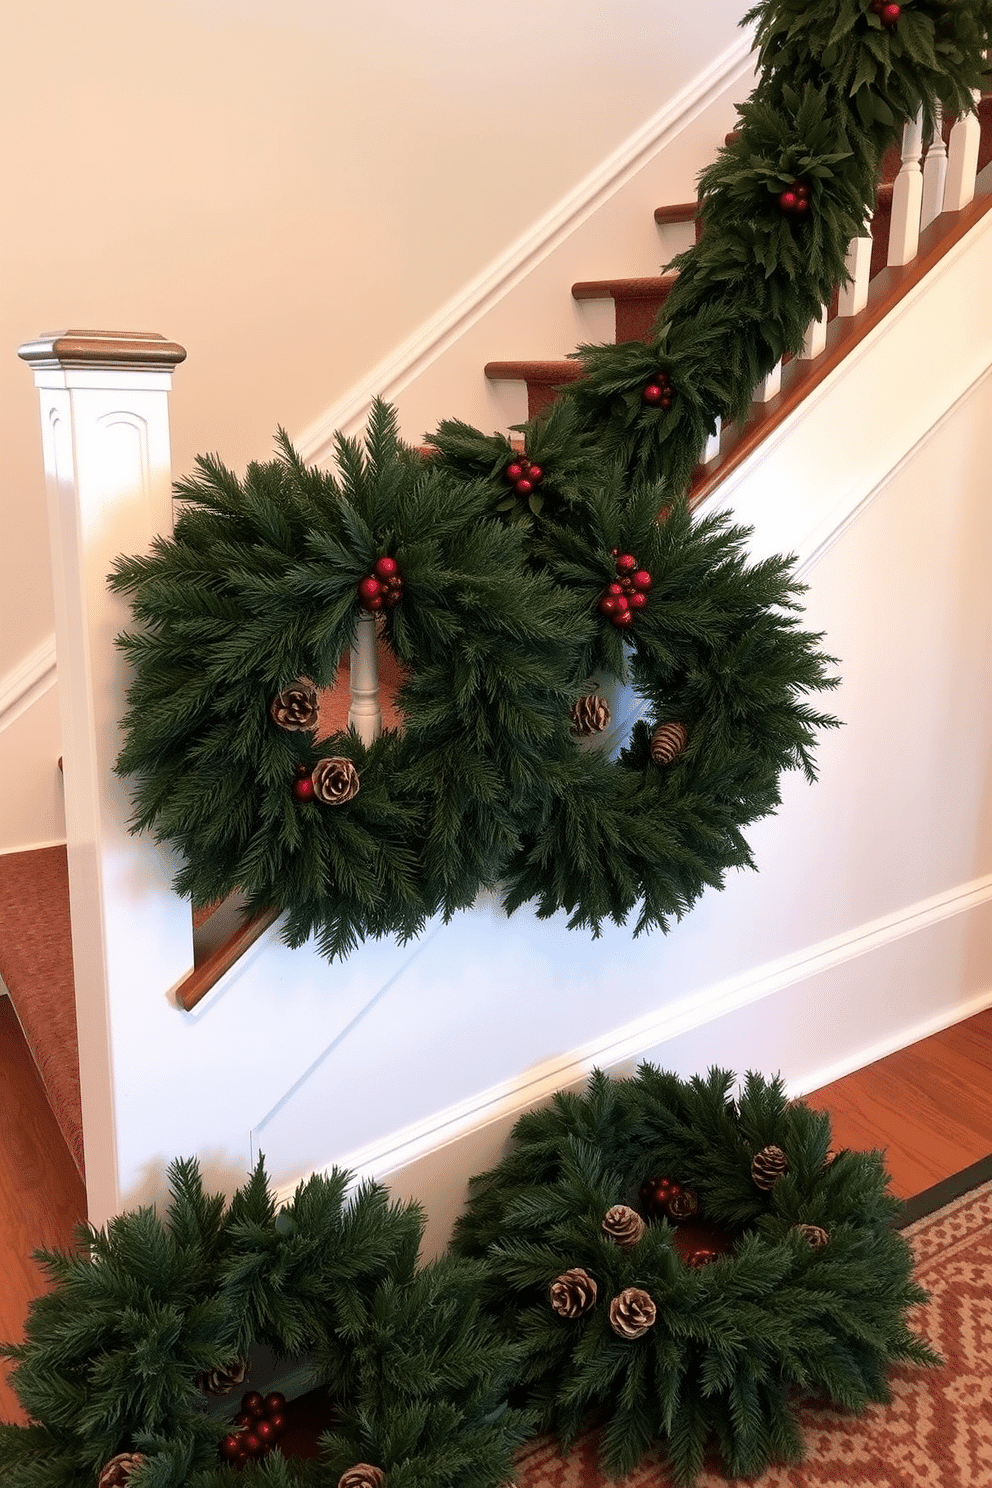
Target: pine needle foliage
115 1352
835 85
719 649
257 589
736 1343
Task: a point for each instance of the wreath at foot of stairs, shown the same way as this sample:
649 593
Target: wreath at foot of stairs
681 1265
153 1319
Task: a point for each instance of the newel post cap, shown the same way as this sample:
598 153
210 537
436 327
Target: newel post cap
127 350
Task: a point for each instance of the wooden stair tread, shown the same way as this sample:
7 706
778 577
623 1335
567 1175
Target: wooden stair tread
676 212
647 287
36 966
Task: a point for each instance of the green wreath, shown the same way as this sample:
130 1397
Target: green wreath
245 613
682 1266
711 646
154 1318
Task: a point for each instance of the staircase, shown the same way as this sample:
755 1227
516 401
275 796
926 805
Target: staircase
35 940
638 301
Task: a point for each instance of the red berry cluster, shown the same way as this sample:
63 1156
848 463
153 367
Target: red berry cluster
663 1198
701 1256
658 392
794 200
257 1427
628 593
887 13
382 589
523 475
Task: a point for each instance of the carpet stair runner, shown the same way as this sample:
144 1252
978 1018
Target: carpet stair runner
35 936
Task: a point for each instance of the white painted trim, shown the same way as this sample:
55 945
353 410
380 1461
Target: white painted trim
824 538
630 1045
27 682
396 371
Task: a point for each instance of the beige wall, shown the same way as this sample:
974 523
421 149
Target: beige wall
288 189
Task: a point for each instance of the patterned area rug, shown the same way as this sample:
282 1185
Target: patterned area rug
938 1429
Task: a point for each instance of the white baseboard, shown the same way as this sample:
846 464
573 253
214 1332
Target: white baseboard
414 355
26 683
432 1160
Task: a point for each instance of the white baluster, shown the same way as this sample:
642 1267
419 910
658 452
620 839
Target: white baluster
815 338
852 297
907 197
962 161
365 714
712 446
934 174
771 386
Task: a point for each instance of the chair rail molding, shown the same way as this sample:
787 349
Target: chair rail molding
25 683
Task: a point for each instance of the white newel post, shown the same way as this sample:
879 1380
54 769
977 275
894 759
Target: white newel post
105 431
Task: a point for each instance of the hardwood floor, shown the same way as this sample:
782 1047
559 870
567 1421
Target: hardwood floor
929 1106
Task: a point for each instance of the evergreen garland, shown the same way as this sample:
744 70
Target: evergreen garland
730 1345
117 1353
836 84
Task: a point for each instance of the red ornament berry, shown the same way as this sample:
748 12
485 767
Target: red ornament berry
275 1401
535 475
303 788
787 201
513 471
642 579
608 604
244 1420
253 1402
622 604
616 589
524 486
369 588
375 603
890 14
652 393
623 618
251 1443
264 1432
701 1256
385 568
637 601
277 1421
655 1194
626 563
230 1446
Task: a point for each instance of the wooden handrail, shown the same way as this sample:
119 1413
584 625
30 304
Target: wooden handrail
200 980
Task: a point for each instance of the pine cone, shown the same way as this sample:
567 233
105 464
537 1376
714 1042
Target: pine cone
335 781
815 1235
767 1166
623 1225
573 1293
223 1381
668 741
362 1475
117 1471
296 708
683 1204
632 1313
590 715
